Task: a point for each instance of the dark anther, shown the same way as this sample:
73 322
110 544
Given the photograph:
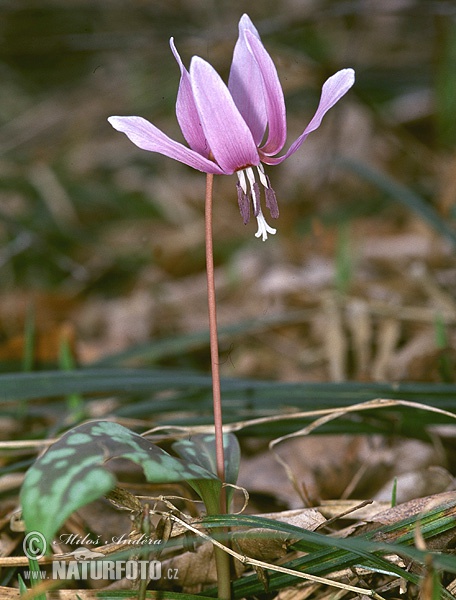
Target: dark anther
244 204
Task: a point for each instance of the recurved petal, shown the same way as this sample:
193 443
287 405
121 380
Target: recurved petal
186 112
246 83
273 96
333 90
229 137
148 137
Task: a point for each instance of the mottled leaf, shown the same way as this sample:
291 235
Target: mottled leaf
72 472
200 450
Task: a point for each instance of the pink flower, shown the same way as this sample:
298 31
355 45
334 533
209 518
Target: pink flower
235 128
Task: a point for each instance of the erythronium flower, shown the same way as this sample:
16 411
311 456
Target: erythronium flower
235 128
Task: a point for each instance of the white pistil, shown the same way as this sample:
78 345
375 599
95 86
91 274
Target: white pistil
263 227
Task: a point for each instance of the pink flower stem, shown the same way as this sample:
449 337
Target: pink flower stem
222 559
217 400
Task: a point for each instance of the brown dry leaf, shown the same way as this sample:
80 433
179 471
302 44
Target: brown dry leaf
452 587
307 518
267 546
352 509
369 516
195 569
414 507
299 592
387 340
359 324
335 340
261 544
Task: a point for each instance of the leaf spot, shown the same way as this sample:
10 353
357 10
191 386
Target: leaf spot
53 455
78 438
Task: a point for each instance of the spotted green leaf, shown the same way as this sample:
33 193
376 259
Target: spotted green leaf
73 472
200 450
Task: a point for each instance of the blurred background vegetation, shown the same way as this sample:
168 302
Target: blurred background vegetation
102 245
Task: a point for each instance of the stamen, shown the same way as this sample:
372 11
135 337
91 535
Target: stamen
244 203
271 202
263 228
255 190
263 178
244 198
250 176
242 181
256 199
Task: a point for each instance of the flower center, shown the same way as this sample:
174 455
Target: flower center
253 195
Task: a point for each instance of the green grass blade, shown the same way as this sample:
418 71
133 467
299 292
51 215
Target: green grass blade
243 399
401 194
49 384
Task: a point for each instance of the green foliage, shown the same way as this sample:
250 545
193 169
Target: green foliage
72 472
29 341
247 397
34 580
22 585
446 81
344 259
445 361
200 450
75 402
